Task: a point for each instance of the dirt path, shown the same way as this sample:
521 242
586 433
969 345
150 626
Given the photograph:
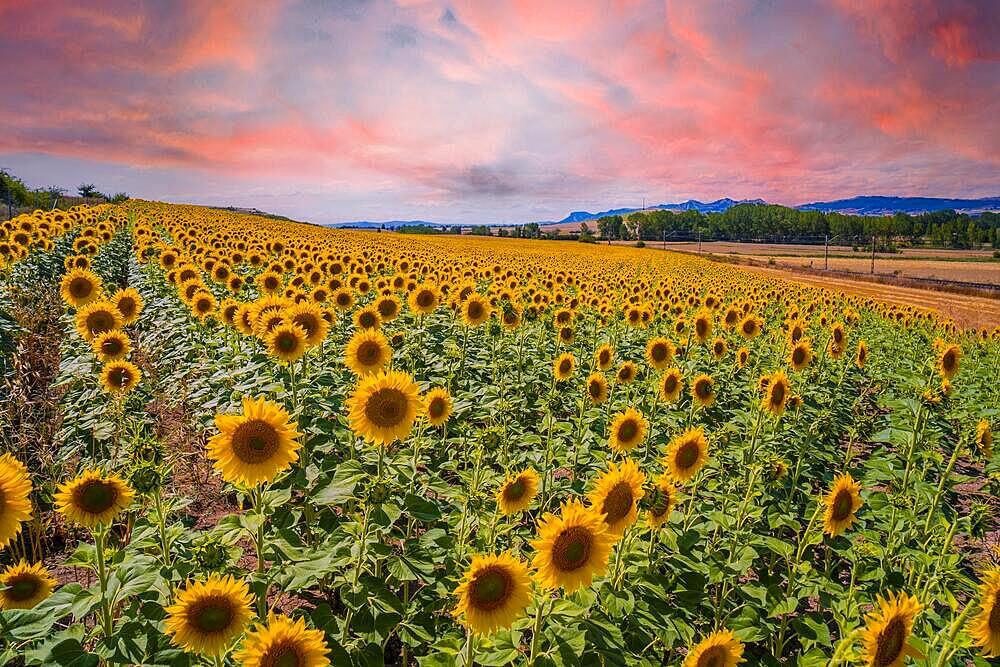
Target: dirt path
968 311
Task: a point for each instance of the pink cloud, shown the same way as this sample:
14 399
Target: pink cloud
523 104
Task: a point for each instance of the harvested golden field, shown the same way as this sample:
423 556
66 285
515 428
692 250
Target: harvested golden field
232 440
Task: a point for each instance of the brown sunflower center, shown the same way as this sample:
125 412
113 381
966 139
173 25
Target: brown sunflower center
628 430
687 455
890 643
838 336
285 654
100 321
490 588
112 346
386 407
715 656
425 298
81 287
436 407
719 348
842 505
212 614
703 388
95 496
595 389
286 341
658 352
565 366
387 308
669 384
271 283
701 328
474 310
308 322
604 358
515 490
204 305
777 393
625 374
120 377
571 550
799 356
22 587
343 299
749 327
994 620
367 320
618 502
255 441
948 361
369 353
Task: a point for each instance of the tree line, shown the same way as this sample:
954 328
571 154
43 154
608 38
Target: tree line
770 222
14 193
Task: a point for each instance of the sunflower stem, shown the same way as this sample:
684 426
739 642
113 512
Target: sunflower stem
536 631
470 649
941 484
161 524
100 533
258 502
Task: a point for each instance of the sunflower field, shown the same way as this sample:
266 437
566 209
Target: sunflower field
233 440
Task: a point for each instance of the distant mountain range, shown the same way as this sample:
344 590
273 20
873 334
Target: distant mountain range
889 205
866 205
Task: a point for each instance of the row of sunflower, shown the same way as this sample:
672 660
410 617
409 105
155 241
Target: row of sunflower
607 454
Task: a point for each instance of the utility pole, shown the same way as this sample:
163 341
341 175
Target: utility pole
664 238
699 240
826 252
873 255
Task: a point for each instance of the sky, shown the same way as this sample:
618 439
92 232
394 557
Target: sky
498 112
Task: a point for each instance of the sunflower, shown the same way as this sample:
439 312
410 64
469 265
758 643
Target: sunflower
383 407
861 357
627 372
93 498
777 393
281 642
24 586
120 377
671 384
750 326
571 548
604 357
985 626
424 299
887 630
129 303
719 348
79 287
97 317
616 495
984 438
343 298
493 594
388 307
207 616
660 352
719 649
15 503
703 325
475 310
842 502
628 430
597 387
742 356
253 447
517 492
949 360
703 390
563 366
367 318
801 355
309 316
438 406
287 342
367 352
111 345
661 502
686 454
